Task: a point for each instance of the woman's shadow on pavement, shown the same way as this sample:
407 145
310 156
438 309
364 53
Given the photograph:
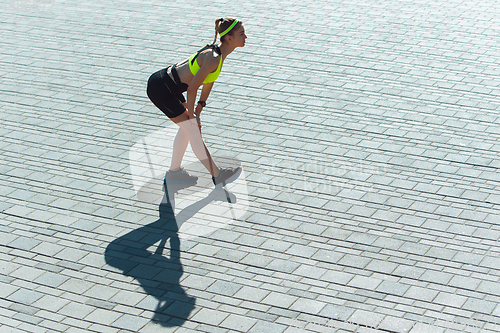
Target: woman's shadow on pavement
159 275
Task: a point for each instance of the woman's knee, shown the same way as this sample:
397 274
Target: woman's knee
190 126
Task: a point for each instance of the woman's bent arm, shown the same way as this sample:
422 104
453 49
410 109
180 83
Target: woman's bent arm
205 91
209 64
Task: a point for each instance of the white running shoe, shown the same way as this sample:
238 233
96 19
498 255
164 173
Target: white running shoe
226 176
180 176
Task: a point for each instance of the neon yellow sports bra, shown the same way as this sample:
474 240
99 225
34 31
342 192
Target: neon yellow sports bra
194 67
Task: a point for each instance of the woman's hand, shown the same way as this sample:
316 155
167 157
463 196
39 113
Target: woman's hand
198 119
198 109
191 115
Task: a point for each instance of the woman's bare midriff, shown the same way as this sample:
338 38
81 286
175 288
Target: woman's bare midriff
185 73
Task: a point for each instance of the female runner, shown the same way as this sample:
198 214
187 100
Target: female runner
165 89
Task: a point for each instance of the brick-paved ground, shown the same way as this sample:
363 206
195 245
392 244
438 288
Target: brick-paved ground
368 132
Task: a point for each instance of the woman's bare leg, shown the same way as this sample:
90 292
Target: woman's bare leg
191 129
181 142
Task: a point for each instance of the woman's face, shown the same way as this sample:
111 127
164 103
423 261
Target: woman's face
239 37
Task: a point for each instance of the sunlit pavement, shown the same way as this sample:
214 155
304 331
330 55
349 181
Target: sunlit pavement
368 133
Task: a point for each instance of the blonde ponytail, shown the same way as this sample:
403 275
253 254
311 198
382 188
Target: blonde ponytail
217 23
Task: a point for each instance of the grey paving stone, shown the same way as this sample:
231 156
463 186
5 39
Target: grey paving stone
396 324
488 287
262 326
310 271
388 243
25 296
7 289
238 323
210 317
251 294
350 260
198 282
362 238
256 260
361 317
301 250
381 266
364 282
24 243
409 272
431 223
452 300
75 310
411 220
27 319
480 306
280 300
436 277
51 279
392 288
386 215
489 262
441 253
308 306
224 288
284 266
337 312
21 308
27 273
76 285
468 258
130 322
